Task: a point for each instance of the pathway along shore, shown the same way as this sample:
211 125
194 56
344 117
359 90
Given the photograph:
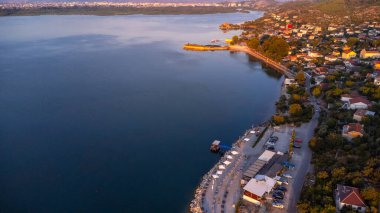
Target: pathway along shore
274 64
239 48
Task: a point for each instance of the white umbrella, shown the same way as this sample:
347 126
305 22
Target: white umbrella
219 172
234 152
246 139
229 157
222 167
252 132
215 176
227 162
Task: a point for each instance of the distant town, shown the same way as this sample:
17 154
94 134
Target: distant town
119 8
116 4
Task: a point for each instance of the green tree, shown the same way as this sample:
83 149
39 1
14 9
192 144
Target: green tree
322 175
278 119
317 91
295 110
371 196
275 48
235 39
349 83
253 43
300 78
352 41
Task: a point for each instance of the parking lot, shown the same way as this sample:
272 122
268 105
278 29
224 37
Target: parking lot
301 160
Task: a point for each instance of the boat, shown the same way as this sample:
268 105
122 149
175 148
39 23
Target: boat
215 146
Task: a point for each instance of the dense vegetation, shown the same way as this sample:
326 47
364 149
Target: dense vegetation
272 46
337 160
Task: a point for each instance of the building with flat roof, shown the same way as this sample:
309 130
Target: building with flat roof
257 188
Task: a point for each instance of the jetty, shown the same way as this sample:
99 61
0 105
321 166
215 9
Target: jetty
210 47
239 48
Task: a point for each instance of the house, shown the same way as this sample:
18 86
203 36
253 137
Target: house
314 54
369 54
347 97
290 81
348 54
321 71
376 65
257 187
355 101
336 53
349 196
360 113
330 58
377 81
359 103
352 130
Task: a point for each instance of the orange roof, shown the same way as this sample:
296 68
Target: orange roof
350 195
354 127
359 99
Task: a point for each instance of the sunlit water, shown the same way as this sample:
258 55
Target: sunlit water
109 114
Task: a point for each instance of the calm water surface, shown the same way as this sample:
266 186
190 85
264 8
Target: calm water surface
109 114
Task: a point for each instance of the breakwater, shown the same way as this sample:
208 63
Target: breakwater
197 47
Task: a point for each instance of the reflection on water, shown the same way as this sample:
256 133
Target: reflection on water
109 114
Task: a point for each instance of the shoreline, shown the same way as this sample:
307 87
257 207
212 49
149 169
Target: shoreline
249 140
113 11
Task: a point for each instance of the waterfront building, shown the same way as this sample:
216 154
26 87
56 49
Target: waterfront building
257 188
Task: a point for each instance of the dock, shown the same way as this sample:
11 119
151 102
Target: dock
197 47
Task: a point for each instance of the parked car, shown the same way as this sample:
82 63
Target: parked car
284 181
279 192
287 175
270 148
278 196
297 143
282 188
274 138
270 144
272 141
278 205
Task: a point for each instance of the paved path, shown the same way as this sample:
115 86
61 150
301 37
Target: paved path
264 59
224 192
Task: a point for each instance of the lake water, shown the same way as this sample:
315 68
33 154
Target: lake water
109 114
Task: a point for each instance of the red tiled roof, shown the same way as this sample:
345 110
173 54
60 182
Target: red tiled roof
350 195
359 99
354 127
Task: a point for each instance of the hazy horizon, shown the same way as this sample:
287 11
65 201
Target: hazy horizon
160 1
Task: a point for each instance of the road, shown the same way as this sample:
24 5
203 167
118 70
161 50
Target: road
302 157
288 73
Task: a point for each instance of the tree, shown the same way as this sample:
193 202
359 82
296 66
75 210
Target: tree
371 195
349 83
322 175
235 39
253 43
339 173
275 48
317 91
278 119
295 110
352 41
300 78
